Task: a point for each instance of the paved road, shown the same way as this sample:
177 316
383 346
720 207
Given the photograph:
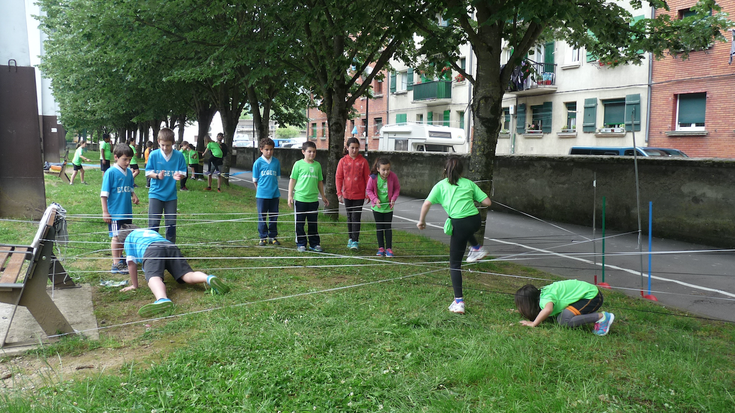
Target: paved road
693 278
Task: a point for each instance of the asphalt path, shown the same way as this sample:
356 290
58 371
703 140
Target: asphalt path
693 278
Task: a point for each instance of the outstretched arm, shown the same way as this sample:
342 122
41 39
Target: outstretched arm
422 218
543 315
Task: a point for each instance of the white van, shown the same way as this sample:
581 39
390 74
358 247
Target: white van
420 137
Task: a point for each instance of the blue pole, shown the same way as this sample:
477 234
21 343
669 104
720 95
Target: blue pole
650 238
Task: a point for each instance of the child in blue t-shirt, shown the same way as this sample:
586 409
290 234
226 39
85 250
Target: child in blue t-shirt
266 171
156 254
165 166
118 196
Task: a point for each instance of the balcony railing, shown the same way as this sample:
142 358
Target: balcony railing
439 89
532 75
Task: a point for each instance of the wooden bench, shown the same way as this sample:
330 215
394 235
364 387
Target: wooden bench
60 171
30 292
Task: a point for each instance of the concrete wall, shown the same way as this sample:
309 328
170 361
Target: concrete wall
692 199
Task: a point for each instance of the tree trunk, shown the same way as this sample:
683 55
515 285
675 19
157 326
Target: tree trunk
156 125
337 114
229 126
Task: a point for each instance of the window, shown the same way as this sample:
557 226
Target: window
378 126
447 115
690 111
313 130
506 119
684 13
401 118
521 118
572 55
393 81
409 79
324 130
402 81
420 118
462 63
541 117
401 144
460 115
571 115
378 87
614 113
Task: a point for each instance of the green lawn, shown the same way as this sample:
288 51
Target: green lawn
349 332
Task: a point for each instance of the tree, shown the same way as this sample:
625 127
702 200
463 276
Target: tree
287 132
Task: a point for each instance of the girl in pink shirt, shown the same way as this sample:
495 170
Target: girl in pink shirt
383 189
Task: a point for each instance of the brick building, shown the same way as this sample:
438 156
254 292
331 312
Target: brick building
376 109
691 100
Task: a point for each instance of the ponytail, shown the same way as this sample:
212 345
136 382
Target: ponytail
453 170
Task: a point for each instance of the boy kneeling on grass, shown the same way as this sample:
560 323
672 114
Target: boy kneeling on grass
156 254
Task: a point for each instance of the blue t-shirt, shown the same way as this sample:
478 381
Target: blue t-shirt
138 241
266 175
164 189
117 186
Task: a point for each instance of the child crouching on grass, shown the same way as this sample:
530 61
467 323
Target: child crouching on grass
156 254
572 302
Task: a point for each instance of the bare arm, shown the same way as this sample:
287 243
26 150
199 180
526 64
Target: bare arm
291 184
422 218
133 268
486 202
320 185
105 212
543 315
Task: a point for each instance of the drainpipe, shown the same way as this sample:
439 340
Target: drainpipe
468 128
650 82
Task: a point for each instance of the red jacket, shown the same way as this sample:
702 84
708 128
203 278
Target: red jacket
352 177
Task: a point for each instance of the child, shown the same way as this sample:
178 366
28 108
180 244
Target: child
215 162
194 162
118 196
266 172
156 254
305 186
383 189
147 154
134 161
105 152
77 162
184 149
573 302
457 196
352 176
165 166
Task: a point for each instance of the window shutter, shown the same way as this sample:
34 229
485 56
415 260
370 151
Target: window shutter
591 57
447 115
409 82
521 118
392 82
692 107
546 118
590 115
401 118
633 103
430 118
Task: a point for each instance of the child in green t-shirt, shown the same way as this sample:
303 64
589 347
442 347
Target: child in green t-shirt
304 188
457 196
77 162
572 302
184 149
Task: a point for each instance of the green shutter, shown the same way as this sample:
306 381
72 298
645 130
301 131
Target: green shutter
401 118
614 112
447 115
546 118
590 115
591 57
632 22
409 82
430 118
633 106
461 119
392 82
692 107
549 57
521 118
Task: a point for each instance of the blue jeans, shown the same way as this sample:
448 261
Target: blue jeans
267 208
307 211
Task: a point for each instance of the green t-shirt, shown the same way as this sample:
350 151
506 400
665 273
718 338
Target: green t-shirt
134 159
458 199
215 148
107 148
564 293
185 152
193 157
77 157
307 177
382 192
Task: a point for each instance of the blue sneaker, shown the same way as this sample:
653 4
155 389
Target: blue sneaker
381 252
355 245
318 248
161 306
115 269
602 327
349 243
389 253
301 248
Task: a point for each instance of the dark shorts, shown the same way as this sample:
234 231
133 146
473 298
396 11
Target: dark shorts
161 256
586 306
134 166
115 226
78 167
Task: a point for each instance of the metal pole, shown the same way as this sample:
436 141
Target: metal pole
637 193
594 227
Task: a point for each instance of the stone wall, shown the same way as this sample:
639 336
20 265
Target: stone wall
693 199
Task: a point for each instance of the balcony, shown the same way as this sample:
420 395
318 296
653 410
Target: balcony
439 91
533 78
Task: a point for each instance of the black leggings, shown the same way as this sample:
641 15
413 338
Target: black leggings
383 228
354 215
463 231
581 312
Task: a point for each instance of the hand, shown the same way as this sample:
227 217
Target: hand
527 323
178 176
326 201
341 199
161 175
421 225
392 204
106 217
136 201
290 202
128 288
377 204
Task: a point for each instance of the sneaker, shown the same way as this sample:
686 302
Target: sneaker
381 252
216 173
115 269
274 241
122 266
209 188
389 253
476 254
184 189
603 327
161 306
301 248
207 173
457 307
85 182
219 190
217 285
318 248
349 243
262 243
355 245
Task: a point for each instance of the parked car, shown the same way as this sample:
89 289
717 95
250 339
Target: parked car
627 151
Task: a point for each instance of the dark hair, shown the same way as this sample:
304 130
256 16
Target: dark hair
192 147
308 144
266 142
148 144
378 162
527 301
453 170
80 143
131 141
166 135
349 142
222 135
122 149
124 231
105 136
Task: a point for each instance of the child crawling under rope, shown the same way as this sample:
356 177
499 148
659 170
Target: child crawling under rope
156 254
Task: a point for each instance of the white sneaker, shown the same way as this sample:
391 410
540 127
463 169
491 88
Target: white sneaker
476 254
457 307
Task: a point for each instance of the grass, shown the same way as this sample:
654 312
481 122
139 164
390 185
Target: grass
289 340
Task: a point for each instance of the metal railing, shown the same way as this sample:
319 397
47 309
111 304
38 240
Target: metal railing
438 89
